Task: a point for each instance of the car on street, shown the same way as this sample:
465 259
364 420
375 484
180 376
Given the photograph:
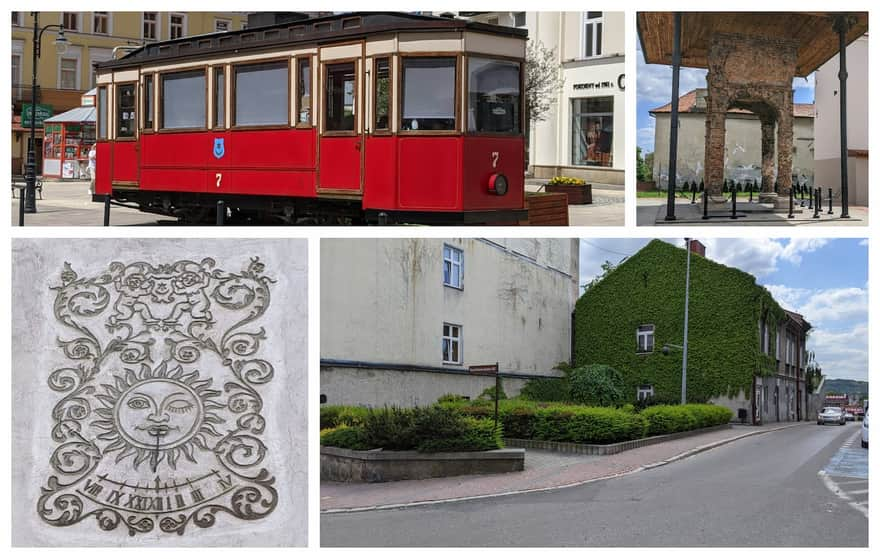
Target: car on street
865 431
849 416
831 415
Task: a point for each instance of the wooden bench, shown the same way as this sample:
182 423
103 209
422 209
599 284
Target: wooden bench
20 182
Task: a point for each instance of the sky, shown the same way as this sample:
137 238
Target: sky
654 89
826 280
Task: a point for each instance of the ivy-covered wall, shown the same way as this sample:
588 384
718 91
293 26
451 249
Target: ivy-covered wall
724 342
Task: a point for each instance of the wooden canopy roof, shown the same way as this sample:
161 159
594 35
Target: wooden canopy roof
813 31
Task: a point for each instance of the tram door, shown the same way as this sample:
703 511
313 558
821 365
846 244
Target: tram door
342 127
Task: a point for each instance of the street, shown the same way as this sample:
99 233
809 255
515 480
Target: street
765 490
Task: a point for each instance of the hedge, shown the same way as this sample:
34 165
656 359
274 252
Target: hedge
333 416
673 419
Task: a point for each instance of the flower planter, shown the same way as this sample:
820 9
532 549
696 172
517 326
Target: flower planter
547 208
577 194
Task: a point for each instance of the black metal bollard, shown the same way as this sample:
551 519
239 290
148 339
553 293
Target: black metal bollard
812 195
751 191
107 210
705 204
790 203
816 205
21 208
776 187
383 218
694 192
819 198
830 197
221 212
733 203
702 186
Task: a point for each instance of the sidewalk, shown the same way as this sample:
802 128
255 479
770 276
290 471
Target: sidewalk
652 211
607 208
543 470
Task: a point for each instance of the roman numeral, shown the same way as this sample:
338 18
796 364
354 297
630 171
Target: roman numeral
196 495
93 488
115 497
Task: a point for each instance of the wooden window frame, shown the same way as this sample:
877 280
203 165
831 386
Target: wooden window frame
374 130
297 98
522 96
151 76
106 16
160 97
357 85
157 29
457 108
77 17
106 109
213 87
183 24
116 97
233 68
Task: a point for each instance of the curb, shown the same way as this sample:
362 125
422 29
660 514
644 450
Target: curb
675 458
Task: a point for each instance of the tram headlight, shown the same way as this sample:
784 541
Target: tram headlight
498 184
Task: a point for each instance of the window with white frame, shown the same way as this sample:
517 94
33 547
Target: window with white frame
150 25
645 338
778 340
453 271
70 20
592 34
69 70
221 25
16 70
452 344
16 18
645 391
101 23
176 26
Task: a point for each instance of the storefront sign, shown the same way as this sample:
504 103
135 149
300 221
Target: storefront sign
43 112
601 85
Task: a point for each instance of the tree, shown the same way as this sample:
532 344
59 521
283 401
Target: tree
607 268
596 385
543 82
643 173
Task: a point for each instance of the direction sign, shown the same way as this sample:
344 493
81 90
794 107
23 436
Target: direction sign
489 370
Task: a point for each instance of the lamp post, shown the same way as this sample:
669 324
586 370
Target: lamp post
30 203
684 346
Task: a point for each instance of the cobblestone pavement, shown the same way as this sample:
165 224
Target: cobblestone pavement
652 211
607 208
543 470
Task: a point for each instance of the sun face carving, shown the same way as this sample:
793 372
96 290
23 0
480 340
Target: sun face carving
157 415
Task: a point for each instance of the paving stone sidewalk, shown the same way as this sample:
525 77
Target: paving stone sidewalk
543 470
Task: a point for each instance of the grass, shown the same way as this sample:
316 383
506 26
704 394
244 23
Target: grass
662 195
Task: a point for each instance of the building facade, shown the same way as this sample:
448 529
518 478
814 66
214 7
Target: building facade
742 147
403 319
583 134
62 78
744 351
828 123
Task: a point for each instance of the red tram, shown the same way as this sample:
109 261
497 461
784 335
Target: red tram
353 118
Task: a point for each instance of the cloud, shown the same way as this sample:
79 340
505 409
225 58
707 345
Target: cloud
654 81
841 353
863 243
645 137
760 257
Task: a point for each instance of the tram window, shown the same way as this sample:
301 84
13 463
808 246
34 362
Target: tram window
183 100
493 96
102 113
340 98
260 94
148 102
219 98
125 111
304 90
382 93
428 94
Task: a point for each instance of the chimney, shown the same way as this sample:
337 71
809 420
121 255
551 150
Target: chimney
697 247
700 99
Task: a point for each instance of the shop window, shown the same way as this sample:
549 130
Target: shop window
493 96
182 100
176 26
70 20
260 93
150 27
102 113
453 269
148 102
452 344
69 71
592 34
101 23
382 94
219 98
125 111
645 338
304 90
339 102
592 131
428 94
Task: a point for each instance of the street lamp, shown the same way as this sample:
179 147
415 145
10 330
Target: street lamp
61 42
684 347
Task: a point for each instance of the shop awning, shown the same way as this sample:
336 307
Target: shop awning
79 114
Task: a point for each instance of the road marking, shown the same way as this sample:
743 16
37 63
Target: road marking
858 492
855 481
832 486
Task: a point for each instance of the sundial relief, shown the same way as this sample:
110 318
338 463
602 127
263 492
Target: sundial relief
158 423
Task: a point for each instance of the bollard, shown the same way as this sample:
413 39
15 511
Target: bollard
751 190
107 210
733 203
383 218
776 186
816 205
694 192
819 198
21 208
830 211
790 203
705 205
702 186
812 195
221 212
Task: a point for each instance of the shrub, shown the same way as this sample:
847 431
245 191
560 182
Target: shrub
476 434
489 393
596 385
551 389
669 419
587 425
649 401
345 436
333 416
451 399
391 429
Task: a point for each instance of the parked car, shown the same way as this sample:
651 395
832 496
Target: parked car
831 415
865 431
849 416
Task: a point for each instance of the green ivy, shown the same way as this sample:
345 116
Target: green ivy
648 288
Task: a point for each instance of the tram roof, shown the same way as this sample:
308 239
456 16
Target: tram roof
317 30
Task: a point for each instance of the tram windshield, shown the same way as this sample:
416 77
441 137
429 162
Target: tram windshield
493 96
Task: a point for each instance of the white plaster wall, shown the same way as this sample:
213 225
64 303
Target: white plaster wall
828 102
37 266
383 301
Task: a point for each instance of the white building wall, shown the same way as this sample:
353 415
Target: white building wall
383 302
